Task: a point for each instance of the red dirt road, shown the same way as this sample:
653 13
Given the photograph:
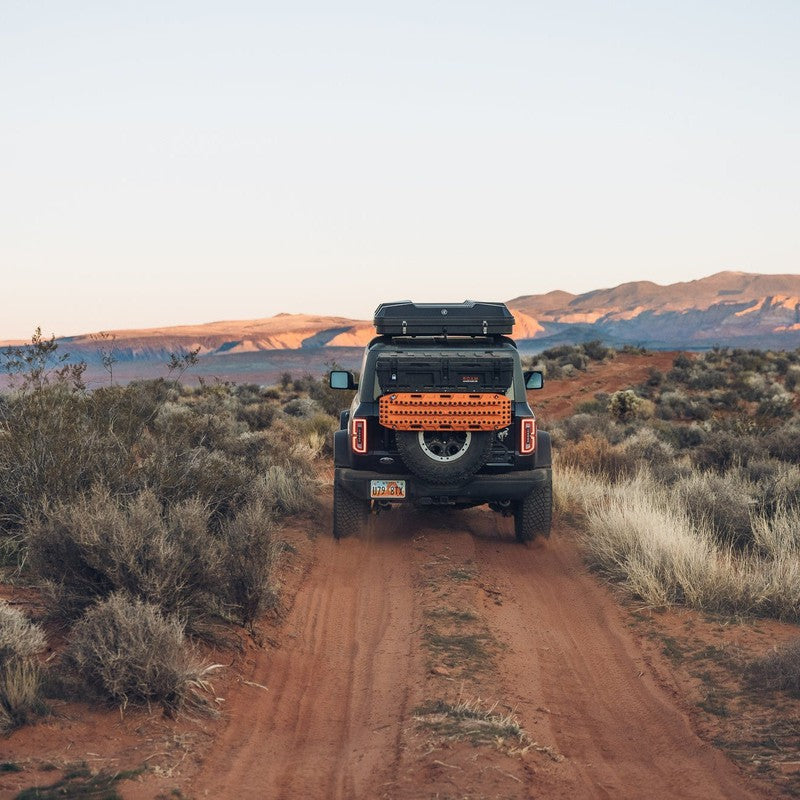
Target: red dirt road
337 717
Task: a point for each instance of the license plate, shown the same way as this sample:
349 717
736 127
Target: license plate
387 489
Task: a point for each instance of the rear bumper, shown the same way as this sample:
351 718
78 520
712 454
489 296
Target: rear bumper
480 488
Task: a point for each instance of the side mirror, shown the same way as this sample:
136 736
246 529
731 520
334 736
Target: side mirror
340 379
534 380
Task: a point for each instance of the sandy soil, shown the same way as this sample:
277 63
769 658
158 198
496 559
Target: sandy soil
330 705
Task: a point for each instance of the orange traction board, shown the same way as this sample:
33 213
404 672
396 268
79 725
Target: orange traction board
432 411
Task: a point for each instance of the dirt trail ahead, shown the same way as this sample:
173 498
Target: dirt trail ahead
337 717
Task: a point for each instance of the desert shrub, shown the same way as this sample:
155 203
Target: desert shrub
579 425
90 547
638 535
596 456
593 407
722 504
596 350
727 400
722 449
258 415
705 380
48 449
777 536
678 405
655 454
20 677
626 405
792 378
755 388
288 488
682 437
779 669
126 651
779 405
302 407
249 558
682 361
655 377
331 401
784 442
220 480
677 376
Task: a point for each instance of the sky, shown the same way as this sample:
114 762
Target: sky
177 162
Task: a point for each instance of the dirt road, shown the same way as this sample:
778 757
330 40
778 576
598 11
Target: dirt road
360 658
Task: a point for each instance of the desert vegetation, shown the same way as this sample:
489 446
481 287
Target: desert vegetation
686 487
147 519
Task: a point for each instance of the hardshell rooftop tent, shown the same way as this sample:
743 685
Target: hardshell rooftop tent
469 318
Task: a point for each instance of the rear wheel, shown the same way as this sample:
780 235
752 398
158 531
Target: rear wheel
349 513
534 513
444 456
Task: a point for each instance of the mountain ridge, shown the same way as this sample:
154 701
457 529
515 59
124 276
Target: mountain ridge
727 308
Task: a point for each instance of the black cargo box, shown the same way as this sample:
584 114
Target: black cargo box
469 318
460 372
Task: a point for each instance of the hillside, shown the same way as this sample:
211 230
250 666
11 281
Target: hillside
729 308
726 308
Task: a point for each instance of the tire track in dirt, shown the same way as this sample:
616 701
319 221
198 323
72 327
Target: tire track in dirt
328 725
579 680
337 719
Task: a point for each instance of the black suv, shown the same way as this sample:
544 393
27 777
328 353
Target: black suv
440 417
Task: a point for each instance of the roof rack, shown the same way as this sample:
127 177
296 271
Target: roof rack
469 318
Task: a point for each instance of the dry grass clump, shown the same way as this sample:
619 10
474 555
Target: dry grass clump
722 504
473 720
637 534
21 641
596 456
779 669
128 652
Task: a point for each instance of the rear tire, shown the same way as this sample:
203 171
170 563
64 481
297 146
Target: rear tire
349 513
534 513
444 456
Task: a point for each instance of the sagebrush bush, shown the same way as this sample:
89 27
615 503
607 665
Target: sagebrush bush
596 456
250 555
722 449
21 642
721 503
127 651
574 428
93 546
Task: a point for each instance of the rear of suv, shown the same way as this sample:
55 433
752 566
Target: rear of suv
441 418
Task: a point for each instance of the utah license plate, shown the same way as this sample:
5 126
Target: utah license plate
395 489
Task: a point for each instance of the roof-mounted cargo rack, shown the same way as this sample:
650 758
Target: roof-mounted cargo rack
469 318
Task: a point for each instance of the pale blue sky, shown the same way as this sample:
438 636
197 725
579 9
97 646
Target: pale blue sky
170 162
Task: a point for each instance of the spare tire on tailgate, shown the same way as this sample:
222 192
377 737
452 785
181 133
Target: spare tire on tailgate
445 456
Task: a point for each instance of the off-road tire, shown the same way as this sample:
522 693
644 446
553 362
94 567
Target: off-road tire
534 513
349 513
475 455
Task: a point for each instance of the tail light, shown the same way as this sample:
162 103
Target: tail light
358 435
527 436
